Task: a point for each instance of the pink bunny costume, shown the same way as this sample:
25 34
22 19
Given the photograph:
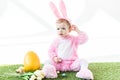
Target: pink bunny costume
66 49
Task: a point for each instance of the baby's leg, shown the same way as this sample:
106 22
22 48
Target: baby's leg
75 66
65 65
79 64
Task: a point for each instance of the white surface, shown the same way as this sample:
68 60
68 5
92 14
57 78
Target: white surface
25 26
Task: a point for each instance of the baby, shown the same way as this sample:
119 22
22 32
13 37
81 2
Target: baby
63 52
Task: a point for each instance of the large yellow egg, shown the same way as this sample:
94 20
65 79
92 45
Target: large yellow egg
31 61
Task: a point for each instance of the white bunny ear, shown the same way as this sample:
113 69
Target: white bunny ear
63 9
54 9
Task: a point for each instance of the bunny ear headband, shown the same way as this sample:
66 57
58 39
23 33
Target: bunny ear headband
62 9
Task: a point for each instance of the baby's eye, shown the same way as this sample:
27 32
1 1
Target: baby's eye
63 28
58 28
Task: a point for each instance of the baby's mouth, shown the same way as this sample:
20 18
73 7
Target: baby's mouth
61 34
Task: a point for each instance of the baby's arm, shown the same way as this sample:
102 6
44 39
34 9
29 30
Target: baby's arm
53 54
82 37
52 51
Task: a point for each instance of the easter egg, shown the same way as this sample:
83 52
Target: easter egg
63 74
31 61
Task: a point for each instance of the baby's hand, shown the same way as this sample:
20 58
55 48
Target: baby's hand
75 28
57 59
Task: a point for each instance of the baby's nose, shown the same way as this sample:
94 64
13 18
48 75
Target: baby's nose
60 30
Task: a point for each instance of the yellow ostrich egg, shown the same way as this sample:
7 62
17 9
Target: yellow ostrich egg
31 61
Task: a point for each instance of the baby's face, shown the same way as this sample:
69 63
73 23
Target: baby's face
63 29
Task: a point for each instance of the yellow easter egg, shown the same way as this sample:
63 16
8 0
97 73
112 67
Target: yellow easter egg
31 61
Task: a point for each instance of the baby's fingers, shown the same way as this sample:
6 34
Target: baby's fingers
73 27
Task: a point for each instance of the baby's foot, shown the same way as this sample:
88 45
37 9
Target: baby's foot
85 74
49 71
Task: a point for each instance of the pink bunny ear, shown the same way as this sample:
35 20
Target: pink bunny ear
63 9
54 9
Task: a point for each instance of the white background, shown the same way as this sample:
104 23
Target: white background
27 25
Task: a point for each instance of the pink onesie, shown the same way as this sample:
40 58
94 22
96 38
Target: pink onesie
66 49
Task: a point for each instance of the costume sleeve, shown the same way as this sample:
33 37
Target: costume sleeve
81 38
52 50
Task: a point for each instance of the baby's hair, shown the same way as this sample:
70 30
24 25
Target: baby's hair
62 20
